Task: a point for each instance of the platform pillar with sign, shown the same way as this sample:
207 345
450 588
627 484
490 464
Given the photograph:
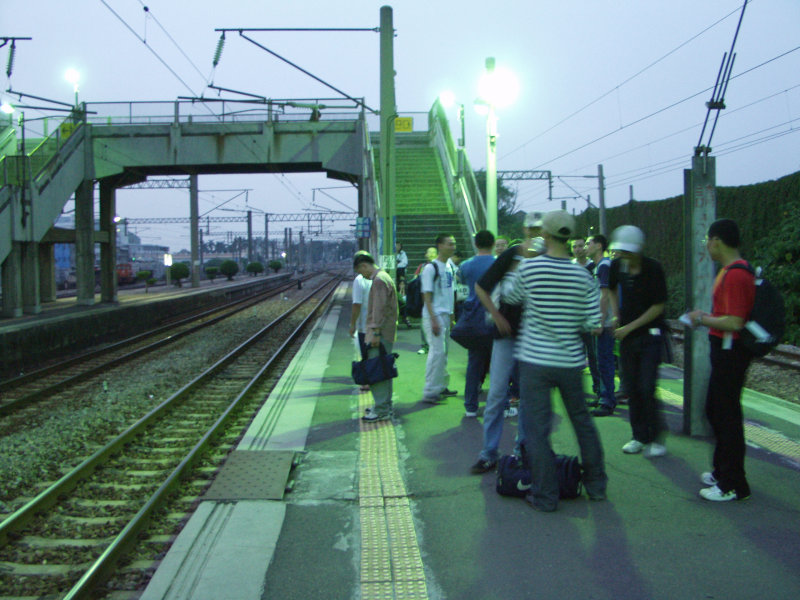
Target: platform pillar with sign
699 210
388 114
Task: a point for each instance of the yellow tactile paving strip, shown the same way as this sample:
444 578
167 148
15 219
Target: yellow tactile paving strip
754 434
391 563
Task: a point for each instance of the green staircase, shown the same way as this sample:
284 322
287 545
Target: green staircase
422 204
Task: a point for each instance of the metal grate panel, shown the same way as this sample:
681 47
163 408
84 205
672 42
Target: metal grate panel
252 475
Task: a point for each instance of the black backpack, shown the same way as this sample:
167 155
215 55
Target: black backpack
414 302
766 323
570 476
514 478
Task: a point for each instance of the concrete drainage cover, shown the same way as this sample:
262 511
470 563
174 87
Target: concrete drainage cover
252 475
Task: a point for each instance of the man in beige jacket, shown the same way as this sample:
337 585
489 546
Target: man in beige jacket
381 329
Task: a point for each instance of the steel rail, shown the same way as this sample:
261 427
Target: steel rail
105 564
782 355
238 306
69 481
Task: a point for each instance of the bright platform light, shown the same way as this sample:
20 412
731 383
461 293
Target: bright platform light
72 76
447 98
499 88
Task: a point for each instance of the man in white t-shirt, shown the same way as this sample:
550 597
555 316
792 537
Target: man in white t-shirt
437 317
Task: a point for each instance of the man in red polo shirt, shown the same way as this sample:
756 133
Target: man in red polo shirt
731 301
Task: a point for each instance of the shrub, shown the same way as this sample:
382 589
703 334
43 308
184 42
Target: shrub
255 268
275 265
229 268
212 272
145 276
179 271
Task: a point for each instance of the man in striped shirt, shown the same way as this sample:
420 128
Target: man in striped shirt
560 301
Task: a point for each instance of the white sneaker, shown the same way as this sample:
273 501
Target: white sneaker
717 495
633 447
511 411
654 450
471 413
708 478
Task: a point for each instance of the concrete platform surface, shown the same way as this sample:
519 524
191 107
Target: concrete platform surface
390 510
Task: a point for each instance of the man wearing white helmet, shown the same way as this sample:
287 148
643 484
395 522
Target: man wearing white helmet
640 329
560 301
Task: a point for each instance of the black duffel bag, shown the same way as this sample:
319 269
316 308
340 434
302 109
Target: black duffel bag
368 371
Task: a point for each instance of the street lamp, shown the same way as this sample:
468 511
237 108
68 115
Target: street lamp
73 77
497 88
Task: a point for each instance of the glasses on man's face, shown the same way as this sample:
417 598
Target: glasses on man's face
705 240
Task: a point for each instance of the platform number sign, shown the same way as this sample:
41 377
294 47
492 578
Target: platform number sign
404 124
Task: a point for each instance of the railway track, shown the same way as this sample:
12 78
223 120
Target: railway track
22 391
783 355
69 539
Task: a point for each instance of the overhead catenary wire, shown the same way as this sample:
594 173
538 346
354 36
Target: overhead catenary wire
619 85
149 14
661 110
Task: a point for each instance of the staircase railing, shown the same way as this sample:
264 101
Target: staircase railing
466 196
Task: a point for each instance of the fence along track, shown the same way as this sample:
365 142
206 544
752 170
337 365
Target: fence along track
27 389
82 563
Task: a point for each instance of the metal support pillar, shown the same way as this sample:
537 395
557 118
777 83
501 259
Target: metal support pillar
699 210
266 239
601 184
84 242
249 236
12 282
194 225
47 272
31 304
491 160
108 249
387 149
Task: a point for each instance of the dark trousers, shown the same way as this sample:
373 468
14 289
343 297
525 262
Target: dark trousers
536 413
477 366
589 345
724 412
639 357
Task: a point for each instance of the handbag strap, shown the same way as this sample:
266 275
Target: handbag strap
381 350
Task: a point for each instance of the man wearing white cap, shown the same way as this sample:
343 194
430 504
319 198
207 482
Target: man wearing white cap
560 302
640 328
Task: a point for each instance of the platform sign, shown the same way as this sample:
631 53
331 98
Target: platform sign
67 127
404 124
388 262
363 227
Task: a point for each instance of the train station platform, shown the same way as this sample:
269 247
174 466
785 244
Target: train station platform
62 326
389 510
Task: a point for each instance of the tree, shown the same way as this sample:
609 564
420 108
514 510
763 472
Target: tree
509 216
229 268
254 268
780 259
275 265
145 276
212 272
179 271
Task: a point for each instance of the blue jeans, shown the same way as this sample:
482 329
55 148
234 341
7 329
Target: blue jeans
536 414
605 364
500 368
639 357
381 391
477 365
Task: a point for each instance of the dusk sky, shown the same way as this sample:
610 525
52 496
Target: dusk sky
618 82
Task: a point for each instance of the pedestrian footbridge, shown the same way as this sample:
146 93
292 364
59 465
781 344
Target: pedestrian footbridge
117 144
